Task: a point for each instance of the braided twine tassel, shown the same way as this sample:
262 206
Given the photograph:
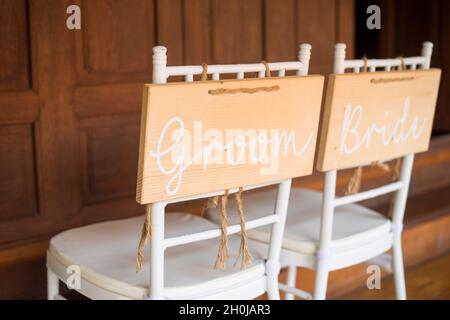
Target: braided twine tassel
355 182
222 254
244 252
223 251
145 236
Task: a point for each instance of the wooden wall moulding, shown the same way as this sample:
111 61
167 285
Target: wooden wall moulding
222 133
377 116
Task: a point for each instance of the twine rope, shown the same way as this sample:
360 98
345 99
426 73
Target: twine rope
266 66
243 90
222 254
246 90
204 75
364 59
244 252
402 65
145 236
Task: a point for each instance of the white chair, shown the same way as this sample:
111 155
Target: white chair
324 232
103 254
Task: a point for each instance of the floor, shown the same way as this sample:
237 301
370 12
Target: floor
429 280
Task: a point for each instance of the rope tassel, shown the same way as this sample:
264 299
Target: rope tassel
145 236
222 254
355 182
244 252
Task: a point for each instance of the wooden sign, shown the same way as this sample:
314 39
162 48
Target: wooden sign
210 136
377 116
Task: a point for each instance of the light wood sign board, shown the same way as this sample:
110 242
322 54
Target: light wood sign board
210 136
376 116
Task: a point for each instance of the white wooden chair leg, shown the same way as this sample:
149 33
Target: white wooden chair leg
52 285
157 251
273 263
273 292
326 227
320 288
399 273
291 280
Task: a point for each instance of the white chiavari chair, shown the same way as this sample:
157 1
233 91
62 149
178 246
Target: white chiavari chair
325 232
104 253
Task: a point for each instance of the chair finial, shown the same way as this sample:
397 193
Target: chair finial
427 50
159 64
339 57
304 55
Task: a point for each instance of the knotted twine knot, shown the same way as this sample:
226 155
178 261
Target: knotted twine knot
266 66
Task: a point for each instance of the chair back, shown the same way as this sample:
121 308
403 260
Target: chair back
174 167
384 114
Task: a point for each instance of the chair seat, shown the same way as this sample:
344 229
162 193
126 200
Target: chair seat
353 225
106 252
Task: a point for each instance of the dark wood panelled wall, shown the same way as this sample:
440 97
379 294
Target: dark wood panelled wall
70 100
409 21
404 24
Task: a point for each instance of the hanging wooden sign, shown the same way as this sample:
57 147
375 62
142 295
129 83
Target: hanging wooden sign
214 135
376 116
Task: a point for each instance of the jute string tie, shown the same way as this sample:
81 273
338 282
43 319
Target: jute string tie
145 236
244 252
222 254
247 90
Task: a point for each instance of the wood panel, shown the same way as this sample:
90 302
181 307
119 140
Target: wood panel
280 24
345 28
17 172
317 26
170 28
57 141
109 157
19 107
320 23
229 123
402 35
197 32
442 122
117 46
236 31
14 59
103 100
370 118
